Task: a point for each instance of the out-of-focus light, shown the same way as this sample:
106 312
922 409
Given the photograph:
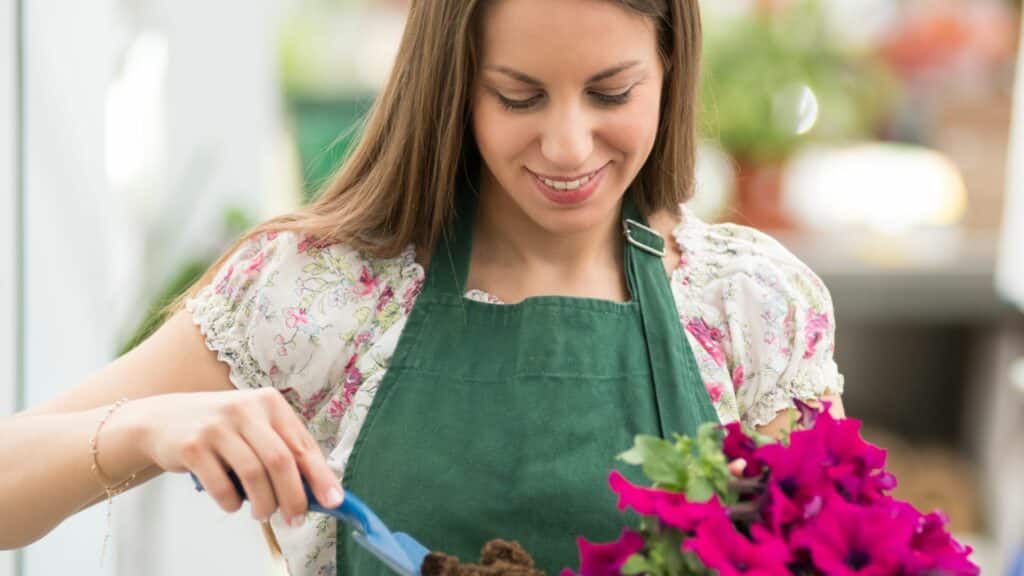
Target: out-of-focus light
134 111
890 188
796 109
716 182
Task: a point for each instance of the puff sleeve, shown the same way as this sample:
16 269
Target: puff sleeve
760 321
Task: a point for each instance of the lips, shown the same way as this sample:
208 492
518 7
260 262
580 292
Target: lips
571 196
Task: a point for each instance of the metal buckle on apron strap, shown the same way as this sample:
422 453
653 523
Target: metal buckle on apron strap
629 224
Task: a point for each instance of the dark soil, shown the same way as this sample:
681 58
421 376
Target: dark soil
498 558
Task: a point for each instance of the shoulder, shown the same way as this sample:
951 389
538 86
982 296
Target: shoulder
722 254
283 310
295 266
763 319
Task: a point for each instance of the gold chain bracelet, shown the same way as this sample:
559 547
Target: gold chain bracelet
106 482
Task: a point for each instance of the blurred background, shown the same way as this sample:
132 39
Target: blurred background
876 139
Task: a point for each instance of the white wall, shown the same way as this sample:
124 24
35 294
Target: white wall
66 68
8 225
223 117
83 266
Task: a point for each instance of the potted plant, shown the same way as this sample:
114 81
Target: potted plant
773 77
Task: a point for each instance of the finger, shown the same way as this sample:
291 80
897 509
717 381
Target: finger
214 478
308 456
280 463
737 466
242 459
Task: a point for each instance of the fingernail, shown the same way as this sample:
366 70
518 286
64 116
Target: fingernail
297 520
334 497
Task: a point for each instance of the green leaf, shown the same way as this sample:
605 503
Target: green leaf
699 489
637 564
659 460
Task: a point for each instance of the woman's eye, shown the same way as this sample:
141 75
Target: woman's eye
601 97
511 104
620 98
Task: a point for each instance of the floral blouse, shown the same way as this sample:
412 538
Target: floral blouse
320 324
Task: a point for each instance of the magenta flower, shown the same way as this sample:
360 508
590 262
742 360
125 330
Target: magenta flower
818 504
672 508
847 539
738 445
798 481
855 466
933 550
808 413
722 548
606 559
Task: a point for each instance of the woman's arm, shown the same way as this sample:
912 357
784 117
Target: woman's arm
45 451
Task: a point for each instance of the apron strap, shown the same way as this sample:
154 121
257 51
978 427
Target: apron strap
449 264
672 361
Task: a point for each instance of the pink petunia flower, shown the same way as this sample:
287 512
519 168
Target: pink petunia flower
606 559
798 481
855 465
846 540
723 549
672 508
933 550
738 445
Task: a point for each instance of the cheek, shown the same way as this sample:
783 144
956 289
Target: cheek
633 129
499 136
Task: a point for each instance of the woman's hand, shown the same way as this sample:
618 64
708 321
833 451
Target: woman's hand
254 433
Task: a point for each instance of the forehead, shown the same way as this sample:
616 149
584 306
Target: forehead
558 36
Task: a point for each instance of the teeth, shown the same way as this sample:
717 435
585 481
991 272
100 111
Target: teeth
572 185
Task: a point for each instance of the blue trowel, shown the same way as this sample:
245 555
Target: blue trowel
399 551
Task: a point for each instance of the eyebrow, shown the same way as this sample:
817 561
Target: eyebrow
526 79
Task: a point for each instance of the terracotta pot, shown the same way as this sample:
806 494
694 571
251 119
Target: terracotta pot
759 193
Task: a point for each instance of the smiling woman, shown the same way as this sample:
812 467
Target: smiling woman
500 288
511 153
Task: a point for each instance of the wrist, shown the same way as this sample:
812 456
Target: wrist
126 433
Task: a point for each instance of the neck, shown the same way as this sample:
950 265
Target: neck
584 263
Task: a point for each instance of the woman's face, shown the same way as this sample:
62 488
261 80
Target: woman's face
565 107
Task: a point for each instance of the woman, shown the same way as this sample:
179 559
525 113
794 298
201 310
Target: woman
499 289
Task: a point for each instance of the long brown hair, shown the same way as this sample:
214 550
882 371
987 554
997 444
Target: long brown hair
397 186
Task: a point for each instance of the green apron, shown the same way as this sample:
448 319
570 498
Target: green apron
503 421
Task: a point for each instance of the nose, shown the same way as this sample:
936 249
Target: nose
567 140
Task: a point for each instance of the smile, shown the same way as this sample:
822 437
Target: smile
574 184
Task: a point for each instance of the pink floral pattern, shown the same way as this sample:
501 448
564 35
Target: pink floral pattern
709 338
320 323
